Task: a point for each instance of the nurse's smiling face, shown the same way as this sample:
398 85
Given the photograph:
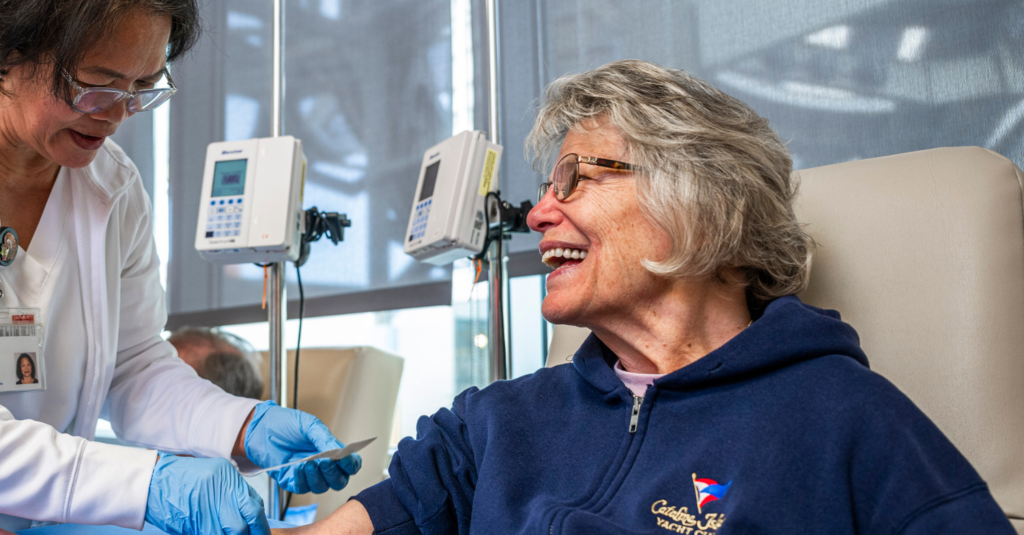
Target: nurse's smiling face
603 222
131 57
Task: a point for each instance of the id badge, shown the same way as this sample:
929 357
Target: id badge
22 366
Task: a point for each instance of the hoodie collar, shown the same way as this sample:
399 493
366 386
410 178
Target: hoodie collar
789 332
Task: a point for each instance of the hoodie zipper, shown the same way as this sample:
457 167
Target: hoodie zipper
634 418
634 422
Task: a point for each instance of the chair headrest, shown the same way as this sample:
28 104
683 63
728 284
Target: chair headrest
923 253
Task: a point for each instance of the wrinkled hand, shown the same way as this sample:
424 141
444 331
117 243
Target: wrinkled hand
277 435
190 496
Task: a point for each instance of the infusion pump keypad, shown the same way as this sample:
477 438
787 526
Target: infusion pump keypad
224 217
419 223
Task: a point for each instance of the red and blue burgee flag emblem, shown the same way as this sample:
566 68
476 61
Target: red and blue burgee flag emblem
708 490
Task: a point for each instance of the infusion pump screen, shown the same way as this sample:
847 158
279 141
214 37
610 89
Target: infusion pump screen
429 179
229 178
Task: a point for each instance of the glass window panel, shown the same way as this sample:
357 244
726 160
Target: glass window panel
224 94
441 346
838 80
369 85
245 71
529 348
445 347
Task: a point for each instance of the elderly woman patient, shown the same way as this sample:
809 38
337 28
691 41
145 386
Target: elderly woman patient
709 399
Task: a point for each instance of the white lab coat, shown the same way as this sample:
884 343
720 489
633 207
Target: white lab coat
132 375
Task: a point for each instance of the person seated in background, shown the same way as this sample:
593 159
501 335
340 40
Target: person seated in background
709 399
222 358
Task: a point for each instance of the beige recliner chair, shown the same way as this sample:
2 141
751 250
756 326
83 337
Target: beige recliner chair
923 253
354 391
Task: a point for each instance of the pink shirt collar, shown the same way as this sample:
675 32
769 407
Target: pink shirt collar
637 383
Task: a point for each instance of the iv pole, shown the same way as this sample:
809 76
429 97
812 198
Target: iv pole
500 357
276 295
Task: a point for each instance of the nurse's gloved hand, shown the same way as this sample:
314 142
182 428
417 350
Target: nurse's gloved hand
199 496
277 436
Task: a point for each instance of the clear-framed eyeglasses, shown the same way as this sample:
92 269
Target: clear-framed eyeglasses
566 174
100 99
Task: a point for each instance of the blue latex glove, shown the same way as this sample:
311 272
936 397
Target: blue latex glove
277 435
199 496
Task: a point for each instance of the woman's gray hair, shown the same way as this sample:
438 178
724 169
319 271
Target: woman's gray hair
713 174
229 361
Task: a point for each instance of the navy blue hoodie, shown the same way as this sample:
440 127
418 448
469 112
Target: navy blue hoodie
782 430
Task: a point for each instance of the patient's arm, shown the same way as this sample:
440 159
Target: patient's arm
349 519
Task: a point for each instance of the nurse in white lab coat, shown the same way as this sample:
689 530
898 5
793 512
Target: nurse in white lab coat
88 263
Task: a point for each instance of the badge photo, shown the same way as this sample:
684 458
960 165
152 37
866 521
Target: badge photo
22 367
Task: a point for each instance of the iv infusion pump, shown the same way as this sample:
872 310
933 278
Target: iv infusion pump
251 205
447 221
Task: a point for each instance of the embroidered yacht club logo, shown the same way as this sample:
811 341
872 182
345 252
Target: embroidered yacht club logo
708 490
679 520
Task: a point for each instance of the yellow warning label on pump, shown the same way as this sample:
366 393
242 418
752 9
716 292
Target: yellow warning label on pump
302 187
485 178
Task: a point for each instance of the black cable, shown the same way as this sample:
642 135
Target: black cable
298 341
318 225
298 350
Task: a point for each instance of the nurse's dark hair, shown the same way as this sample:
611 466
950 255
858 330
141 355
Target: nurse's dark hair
58 33
17 365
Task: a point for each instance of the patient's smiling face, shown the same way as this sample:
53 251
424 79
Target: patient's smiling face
602 218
